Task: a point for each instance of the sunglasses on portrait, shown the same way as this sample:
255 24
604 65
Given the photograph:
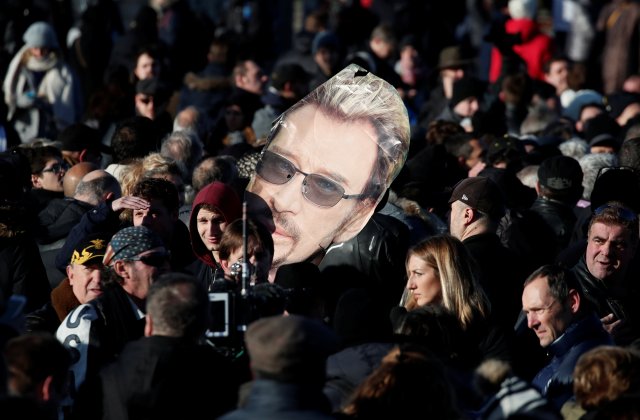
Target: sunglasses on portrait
157 259
56 168
318 189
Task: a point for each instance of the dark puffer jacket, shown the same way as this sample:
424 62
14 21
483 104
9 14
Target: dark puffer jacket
555 380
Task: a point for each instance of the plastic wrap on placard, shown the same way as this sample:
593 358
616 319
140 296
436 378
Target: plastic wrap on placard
328 161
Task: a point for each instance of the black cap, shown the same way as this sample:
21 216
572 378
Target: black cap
480 193
602 130
560 174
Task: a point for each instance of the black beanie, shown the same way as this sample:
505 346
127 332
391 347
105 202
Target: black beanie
465 88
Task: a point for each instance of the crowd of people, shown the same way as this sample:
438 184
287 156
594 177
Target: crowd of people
320 209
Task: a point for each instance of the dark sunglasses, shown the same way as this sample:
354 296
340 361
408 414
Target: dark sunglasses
621 212
157 259
57 168
318 189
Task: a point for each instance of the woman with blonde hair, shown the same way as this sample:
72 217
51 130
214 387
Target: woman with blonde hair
154 165
440 271
447 307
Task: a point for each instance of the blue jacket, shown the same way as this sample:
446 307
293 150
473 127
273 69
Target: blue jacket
555 380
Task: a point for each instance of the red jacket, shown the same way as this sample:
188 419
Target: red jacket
535 49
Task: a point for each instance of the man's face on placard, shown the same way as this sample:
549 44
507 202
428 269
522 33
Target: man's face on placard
343 154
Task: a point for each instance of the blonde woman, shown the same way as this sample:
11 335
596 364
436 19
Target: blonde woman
441 284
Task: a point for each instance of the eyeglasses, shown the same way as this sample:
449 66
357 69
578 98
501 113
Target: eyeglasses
157 259
318 189
621 212
56 168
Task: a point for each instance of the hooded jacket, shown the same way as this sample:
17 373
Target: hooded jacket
223 198
534 49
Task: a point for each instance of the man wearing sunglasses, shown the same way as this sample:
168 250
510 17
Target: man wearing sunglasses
329 160
603 271
98 330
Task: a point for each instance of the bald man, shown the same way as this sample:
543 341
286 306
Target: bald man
57 219
61 215
74 176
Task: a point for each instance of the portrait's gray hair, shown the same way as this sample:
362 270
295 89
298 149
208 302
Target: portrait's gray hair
354 94
591 165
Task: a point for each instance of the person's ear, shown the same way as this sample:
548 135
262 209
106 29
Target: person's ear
36 181
70 274
469 215
355 224
44 391
121 270
83 156
148 326
225 266
574 301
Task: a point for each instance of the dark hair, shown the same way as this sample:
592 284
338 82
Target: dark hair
560 280
407 381
546 66
629 153
134 138
15 175
615 213
259 238
458 145
158 189
31 358
439 131
178 306
39 155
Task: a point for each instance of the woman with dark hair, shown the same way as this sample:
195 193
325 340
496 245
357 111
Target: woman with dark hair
48 169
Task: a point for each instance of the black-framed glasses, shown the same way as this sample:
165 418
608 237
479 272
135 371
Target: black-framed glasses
318 189
56 168
622 212
157 259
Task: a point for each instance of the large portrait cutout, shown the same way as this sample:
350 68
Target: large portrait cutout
327 163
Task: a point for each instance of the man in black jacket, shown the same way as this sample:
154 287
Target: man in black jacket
477 204
603 271
97 331
161 375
